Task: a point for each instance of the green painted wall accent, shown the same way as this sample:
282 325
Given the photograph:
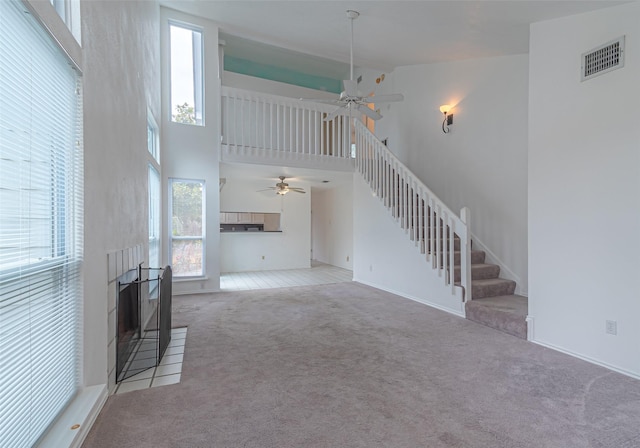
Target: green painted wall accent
273 73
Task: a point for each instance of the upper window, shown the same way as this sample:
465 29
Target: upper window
186 74
69 12
152 138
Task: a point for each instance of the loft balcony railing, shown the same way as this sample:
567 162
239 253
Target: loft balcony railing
275 127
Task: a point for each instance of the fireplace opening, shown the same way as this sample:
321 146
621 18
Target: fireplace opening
128 322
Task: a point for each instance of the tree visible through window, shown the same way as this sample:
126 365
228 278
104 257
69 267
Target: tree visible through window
186 74
187 228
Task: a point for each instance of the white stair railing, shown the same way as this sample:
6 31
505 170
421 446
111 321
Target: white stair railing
255 121
427 220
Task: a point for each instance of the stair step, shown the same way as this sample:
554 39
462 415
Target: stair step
479 271
506 313
492 287
477 257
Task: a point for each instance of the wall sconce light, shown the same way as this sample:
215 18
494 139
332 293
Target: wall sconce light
448 118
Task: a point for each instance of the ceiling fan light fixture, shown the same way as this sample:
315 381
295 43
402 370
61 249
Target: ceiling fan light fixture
350 99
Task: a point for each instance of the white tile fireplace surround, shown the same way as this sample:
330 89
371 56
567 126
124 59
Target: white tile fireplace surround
119 262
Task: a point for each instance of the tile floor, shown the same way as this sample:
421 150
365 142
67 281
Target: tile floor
318 274
168 372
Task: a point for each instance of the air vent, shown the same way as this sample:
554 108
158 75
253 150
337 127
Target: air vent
603 59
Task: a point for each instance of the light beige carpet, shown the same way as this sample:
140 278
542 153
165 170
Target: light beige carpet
345 365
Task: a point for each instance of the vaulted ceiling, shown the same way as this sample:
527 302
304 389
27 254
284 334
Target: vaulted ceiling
387 34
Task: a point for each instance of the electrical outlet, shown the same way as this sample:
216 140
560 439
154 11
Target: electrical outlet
611 327
263 257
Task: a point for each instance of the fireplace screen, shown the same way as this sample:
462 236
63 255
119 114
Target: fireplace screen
141 345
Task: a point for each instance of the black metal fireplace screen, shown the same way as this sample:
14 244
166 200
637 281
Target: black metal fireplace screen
141 345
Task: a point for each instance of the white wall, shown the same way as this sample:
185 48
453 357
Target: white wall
332 225
192 152
289 249
246 82
393 262
584 179
482 162
121 80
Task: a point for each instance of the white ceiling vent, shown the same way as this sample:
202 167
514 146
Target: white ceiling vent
603 59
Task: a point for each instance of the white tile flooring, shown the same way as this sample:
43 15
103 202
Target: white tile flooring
318 274
168 372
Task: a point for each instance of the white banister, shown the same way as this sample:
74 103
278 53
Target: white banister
255 121
426 219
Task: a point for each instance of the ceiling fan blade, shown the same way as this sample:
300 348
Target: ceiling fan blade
384 98
334 114
350 87
368 112
321 100
295 190
266 189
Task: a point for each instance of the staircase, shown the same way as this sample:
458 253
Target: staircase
442 237
267 129
494 303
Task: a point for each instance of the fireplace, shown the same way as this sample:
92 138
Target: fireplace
141 345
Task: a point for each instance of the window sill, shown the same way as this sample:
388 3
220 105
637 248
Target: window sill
189 279
83 410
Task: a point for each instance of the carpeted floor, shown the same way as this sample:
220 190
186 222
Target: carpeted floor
345 365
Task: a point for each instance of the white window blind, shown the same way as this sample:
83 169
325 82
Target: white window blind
40 228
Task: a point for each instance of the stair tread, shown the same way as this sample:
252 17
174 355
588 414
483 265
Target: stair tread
492 287
504 313
492 281
478 266
513 304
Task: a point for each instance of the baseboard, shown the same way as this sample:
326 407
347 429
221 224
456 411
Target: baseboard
83 411
415 299
588 359
192 293
530 333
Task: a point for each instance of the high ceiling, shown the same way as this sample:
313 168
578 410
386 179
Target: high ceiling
388 33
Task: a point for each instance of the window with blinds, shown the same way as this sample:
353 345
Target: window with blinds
40 228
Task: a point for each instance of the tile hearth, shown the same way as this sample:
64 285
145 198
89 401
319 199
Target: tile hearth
168 372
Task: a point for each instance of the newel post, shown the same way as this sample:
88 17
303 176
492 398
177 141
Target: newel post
465 254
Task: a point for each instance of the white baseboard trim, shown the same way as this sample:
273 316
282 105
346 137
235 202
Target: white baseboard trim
83 410
589 359
193 293
415 299
530 333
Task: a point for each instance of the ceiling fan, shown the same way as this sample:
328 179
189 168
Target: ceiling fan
350 99
283 188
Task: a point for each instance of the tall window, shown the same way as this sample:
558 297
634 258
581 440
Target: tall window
187 227
186 74
40 228
154 217
154 192
69 12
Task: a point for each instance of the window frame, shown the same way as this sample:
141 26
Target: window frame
202 237
198 73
